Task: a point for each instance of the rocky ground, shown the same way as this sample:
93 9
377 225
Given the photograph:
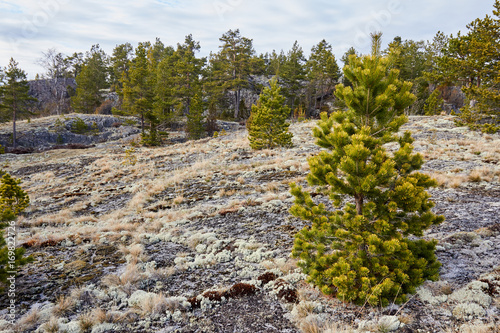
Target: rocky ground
46 133
196 237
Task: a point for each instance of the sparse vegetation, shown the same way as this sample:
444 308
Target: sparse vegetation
142 239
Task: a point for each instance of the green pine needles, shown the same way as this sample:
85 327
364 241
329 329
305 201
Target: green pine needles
267 125
195 125
365 248
13 201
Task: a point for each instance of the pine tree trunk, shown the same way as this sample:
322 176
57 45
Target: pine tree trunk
237 95
188 106
321 87
14 141
359 203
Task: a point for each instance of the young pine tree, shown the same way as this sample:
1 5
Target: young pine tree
13 201
366 248
267 126
433 103
195 126
14 96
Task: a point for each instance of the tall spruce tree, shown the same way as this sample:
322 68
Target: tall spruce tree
367 249
14 97
267 125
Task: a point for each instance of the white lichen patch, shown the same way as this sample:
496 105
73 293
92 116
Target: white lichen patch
474 292
427 296
468 311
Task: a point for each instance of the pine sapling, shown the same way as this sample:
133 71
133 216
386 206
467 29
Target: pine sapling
360 249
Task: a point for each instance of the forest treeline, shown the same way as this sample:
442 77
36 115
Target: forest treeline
159 83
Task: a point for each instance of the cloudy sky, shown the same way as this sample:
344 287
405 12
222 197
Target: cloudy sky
30 27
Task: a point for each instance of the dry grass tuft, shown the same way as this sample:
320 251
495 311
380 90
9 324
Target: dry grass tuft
64 216
125 281
154 305
52 326
312 325
163 272
64 305
86 321
178 200
29 320
482 174
100 316
138 201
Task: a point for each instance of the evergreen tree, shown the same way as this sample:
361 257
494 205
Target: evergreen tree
90 80
188 70
345 60
138 89
323 71
14 97
195 126
276 62
165 100
120 64
369 250
235 56
213 80
433 103
267 125
75 63
13 201
293 73
472 61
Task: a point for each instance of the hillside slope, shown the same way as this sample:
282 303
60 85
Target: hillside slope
196 237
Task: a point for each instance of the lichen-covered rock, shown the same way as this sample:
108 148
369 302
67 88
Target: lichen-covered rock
47 133
71 327
388 323
473 292
468 311
105 327
427 296
139 297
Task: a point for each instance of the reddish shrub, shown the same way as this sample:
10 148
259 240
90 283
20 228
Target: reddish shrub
267 277
242 289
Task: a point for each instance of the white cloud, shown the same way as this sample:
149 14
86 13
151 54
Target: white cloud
74 26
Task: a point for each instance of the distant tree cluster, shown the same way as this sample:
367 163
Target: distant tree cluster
471 60
158 83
